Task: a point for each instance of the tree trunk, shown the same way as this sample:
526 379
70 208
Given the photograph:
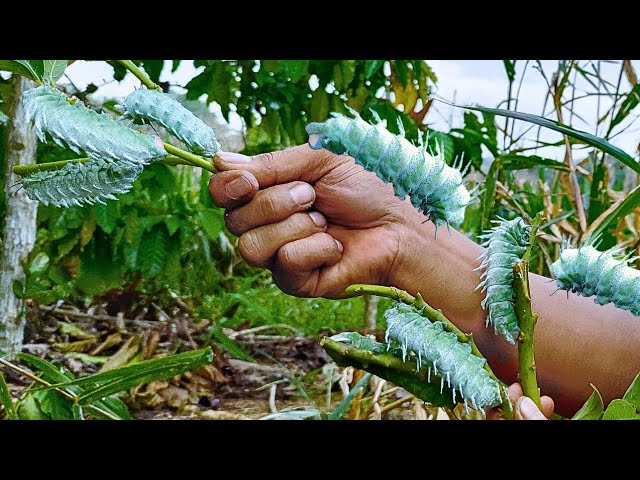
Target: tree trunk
20 225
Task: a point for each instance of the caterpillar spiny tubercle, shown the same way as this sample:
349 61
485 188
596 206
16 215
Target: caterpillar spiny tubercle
180 122
505 244
588 272
77 183
435 188
442 351
83 129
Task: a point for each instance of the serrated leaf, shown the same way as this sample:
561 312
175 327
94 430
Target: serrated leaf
620 410
592 408
53 70
632 395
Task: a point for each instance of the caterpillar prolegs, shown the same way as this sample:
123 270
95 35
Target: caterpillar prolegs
435 188
505 245
161 108
441 351
588 272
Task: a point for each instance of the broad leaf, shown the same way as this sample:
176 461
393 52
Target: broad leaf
32 69
592 408
53 70
632 394
621 410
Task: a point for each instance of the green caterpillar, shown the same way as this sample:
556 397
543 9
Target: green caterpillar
442 351
505 245
77 183
83 129
434 187
589 272
159 107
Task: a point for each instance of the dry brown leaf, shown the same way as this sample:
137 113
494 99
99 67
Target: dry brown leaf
122 356
111 341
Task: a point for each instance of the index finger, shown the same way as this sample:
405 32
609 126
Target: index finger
295 163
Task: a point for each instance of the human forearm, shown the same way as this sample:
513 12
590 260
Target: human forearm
577 341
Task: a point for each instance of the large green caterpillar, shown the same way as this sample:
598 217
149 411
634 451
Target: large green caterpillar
505 245
588 272
159 107
442 351
77 183
83 129
434 187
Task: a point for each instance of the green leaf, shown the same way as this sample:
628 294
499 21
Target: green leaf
32 69
614 213
40 263
510 68
629 103
294 69
5 400
319 108
212 221
53 70
223 341
344 404
153 68
592 408
585 137
620 410
3 119
108 383
107 216
632 395
371 67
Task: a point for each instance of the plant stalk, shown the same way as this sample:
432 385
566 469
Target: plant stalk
140 75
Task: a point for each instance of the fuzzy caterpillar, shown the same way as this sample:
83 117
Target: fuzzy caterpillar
442 351
180 122
365 343
588 272
505 245
83 129
435 188
77 183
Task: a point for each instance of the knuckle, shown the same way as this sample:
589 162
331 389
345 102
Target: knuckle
251 249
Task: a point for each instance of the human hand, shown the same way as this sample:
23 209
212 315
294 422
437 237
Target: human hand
319 221
523 407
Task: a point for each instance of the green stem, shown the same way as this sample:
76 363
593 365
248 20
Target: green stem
526 319
143 77
24 170
432 314
190 157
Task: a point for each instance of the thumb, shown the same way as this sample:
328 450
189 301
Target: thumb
283 166
527 410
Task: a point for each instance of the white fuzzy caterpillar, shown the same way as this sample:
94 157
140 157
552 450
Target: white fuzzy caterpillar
434 187
83 129
159 107
442 351
588 272
77 183
505 245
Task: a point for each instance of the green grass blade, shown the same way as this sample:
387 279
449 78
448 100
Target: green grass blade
5 400
628 104
585 137
113 381
344 404
614 213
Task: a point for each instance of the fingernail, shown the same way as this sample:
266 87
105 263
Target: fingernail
318 219
302 194
230 157
238 188
527 408
340 247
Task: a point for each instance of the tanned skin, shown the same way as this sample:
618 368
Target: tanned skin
320 223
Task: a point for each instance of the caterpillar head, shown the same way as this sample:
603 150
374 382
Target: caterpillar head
325 133
564 269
